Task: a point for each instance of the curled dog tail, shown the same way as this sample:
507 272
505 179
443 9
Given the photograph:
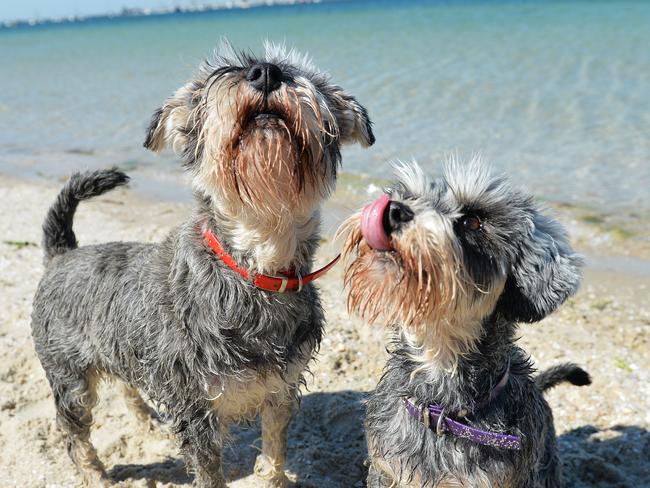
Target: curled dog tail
58 236
569 372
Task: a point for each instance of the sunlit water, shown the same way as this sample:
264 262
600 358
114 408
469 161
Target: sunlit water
555 94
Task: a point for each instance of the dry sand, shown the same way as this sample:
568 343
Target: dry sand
603 429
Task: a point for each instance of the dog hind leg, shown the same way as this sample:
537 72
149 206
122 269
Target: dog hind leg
74 396
138 407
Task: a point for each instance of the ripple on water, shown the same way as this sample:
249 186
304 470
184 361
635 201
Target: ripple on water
555 94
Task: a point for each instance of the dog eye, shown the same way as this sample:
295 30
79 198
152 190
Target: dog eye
472 223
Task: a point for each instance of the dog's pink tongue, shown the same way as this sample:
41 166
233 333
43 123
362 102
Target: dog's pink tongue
372 227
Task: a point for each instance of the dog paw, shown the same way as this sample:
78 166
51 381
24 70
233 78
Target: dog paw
153 425
273 477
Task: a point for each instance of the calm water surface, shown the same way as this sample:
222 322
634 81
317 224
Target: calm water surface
556 94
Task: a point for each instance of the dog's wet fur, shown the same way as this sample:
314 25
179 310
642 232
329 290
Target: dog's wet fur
470 257
261 139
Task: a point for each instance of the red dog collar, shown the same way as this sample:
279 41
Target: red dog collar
278 284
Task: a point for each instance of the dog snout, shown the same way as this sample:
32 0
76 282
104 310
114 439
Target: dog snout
396 216
265 77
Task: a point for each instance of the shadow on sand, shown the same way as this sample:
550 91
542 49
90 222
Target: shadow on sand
327 450
326 447
168 471
618 457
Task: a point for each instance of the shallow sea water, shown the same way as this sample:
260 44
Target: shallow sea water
555 94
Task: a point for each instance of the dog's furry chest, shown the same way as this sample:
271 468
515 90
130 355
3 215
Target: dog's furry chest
276 351
240 397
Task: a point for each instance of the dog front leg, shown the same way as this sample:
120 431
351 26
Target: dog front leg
275 424
201 443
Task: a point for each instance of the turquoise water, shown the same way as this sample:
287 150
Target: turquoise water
556 94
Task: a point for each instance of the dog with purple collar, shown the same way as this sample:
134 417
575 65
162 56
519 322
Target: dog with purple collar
453 265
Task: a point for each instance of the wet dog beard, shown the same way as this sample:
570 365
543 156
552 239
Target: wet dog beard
414 286
268 167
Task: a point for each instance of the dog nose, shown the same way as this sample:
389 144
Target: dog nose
396 215
265 77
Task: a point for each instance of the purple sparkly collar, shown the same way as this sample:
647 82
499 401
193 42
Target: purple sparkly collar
434 416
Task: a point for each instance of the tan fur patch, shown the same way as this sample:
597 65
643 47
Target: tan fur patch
241 398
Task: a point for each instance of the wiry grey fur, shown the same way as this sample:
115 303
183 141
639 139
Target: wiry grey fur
523 257
171 319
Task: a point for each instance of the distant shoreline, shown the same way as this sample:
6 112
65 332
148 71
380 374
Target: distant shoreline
147 12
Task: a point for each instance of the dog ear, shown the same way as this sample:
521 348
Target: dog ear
168 123
352 118
545 272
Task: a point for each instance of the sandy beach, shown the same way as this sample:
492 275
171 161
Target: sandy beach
603 429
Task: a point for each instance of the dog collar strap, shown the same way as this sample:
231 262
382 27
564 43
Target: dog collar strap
437 419
279 284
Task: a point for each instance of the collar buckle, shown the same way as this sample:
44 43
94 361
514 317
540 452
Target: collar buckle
283 286
441 425
299 276
426 416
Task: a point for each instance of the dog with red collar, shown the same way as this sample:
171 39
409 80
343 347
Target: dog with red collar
218 323
453 265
